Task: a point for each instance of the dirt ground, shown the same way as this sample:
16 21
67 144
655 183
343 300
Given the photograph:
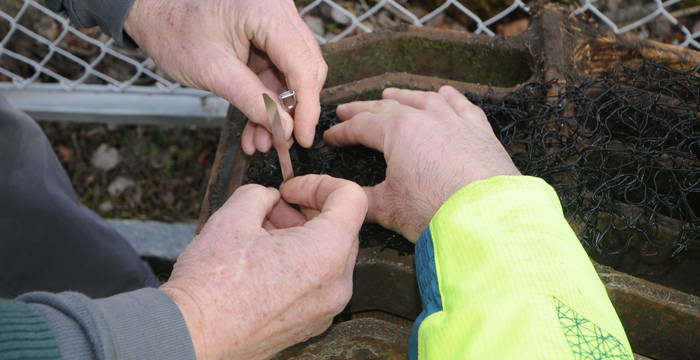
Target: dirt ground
160 172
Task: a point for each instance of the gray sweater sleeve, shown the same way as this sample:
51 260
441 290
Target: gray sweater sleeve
141 324
109 15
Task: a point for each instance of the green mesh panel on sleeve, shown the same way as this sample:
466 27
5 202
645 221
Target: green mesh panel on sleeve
587 340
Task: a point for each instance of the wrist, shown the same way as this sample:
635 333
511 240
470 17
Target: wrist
193 316
132 24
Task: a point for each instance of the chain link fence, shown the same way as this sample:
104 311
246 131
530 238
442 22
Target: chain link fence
55 71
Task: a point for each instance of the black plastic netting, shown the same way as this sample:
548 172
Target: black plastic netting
621 151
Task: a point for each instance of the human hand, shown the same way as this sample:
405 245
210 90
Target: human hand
237 49
262 276
434 144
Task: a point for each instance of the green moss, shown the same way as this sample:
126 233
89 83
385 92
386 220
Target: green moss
443 59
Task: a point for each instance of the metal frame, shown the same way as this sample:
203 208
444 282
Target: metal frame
141 105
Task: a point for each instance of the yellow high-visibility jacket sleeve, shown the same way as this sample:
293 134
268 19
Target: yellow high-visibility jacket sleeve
503 276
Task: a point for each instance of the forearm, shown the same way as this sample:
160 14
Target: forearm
503 276
142 324
109 15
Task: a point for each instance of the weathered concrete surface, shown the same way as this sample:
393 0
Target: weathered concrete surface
361 339
156 239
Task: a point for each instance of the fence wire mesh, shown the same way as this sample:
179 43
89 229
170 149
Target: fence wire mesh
39 48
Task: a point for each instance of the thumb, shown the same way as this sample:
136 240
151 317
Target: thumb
241 87
249 205
376 209
342 203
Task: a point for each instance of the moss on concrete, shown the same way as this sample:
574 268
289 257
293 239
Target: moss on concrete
462 62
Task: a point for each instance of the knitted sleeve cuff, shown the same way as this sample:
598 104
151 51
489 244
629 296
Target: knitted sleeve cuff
24 334
141 324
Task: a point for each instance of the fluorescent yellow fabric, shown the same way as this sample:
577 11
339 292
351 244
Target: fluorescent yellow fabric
508 266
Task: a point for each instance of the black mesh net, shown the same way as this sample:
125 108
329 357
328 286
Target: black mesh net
621 151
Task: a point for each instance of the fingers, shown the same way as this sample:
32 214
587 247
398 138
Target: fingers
342 203
248 138
263 139
364 128
309 213
239 85
308 107
424 100
302 28
347 111
267 225
309 84
304 70
285 216
255 138
258 62
250 204
463 107
375 204
272 79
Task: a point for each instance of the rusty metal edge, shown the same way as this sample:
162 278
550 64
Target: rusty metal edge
374 85
660 322
228 167
380 278
354 339
524 42
519 42
554 53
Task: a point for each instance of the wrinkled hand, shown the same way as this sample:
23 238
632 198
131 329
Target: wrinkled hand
262 276
433 143
237 49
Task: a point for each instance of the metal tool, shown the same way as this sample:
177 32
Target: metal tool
279 141
289 99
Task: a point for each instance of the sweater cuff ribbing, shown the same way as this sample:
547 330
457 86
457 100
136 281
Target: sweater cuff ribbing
24 334
141 324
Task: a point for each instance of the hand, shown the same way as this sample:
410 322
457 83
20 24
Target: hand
237 49
262 276
433 143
